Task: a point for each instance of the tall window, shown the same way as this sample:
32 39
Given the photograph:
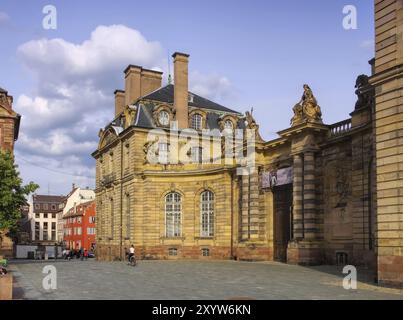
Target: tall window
53 237
112 218
101 226
197 121
37 231
128 216
197 155
45 231
163 150
207 214
173 212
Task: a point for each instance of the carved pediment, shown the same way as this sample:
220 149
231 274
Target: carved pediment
107 137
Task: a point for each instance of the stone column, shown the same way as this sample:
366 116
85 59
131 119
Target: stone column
298 228
309 206
254 205
250 207
245 208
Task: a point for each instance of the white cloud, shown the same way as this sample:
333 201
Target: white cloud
108 50
4 18
73 96
368 44
212 86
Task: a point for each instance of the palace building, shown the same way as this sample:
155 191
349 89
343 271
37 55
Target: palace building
9 129
9 122
317 194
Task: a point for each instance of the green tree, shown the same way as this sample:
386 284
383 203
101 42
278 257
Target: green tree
13 195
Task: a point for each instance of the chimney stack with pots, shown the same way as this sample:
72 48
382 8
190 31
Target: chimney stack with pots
150 81
138 82
119 102
132 84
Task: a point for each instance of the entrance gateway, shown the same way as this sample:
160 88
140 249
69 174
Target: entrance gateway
282 196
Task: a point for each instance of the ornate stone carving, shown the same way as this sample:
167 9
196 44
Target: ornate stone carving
129 115
147 147
251 123
3 100
342 187
364 91
307 109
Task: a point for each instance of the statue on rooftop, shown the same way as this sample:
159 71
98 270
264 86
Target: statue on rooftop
251 123
307 109
364 91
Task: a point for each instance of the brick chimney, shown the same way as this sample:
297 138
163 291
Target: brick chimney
150 81
132 84
181 61
119 101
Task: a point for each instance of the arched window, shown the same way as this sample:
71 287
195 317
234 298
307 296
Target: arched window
207 214
173 212
197 121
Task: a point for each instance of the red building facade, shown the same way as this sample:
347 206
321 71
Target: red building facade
79 227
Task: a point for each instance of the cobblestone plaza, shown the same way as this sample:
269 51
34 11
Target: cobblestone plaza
178 280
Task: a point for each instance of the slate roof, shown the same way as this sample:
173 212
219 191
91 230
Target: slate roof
46 198
166 94
145 119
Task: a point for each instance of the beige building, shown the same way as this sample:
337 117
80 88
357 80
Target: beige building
320 193
389 138
43 217
9 129
287 209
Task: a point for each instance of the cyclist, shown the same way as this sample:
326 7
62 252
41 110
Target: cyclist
131 252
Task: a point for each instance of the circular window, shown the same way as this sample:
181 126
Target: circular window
163 118
228 124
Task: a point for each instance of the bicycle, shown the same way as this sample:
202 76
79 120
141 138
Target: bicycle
132 261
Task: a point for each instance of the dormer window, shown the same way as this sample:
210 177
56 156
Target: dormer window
228 124
163 118
190 98
197 121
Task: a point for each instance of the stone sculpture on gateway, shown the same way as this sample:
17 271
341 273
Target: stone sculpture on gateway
307 109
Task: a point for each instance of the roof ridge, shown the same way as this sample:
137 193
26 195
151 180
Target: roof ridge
215 106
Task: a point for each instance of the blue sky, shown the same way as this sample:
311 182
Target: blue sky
243 54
